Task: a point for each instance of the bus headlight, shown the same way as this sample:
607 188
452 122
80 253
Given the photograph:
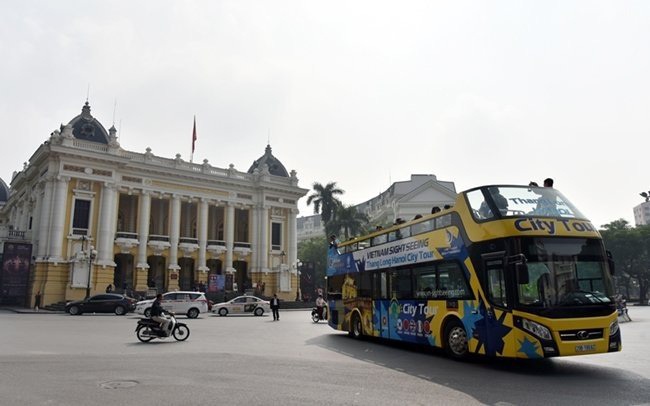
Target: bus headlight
613 328
536 329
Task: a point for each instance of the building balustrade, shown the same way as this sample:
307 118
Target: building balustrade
162 238
16 235
126 235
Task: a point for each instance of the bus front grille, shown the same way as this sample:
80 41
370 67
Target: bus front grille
580 335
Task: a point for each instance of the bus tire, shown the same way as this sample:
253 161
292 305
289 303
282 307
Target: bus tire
456 339
356 328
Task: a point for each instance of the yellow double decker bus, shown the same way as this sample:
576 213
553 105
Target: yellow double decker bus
508 271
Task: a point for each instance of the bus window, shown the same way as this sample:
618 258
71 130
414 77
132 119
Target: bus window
496 286
380 286
425 282
394 235
590 277
444 221
335 287
400 284
451 282
364 244
480 208
365 284
379 239
422 227
404 232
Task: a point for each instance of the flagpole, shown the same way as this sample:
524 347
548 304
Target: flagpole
193 140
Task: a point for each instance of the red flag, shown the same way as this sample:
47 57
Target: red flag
194 135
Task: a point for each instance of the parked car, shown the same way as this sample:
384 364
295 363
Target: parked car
189 303
242 305
104 303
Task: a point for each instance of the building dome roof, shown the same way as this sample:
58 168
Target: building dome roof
86 127
273 164
4 192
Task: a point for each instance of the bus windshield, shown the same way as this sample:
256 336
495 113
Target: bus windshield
564 272
504 201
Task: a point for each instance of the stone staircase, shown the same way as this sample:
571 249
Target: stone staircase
55 307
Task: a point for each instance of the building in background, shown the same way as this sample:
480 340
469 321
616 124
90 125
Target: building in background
642 214
95 214
404 200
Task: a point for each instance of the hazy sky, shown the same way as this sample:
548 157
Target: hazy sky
361 93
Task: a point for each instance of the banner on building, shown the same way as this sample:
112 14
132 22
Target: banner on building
14 278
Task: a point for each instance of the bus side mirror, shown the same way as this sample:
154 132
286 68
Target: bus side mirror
522 273
610 262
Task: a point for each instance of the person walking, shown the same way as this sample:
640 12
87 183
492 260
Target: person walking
37 300
275 307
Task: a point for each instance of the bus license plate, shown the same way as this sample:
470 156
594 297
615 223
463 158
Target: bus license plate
585 347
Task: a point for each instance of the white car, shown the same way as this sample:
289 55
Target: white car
189 303
242 305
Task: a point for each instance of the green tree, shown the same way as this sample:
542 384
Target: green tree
630 248
314 250
348 220
325 200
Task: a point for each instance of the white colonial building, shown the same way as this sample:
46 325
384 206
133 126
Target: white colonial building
96 214
404 200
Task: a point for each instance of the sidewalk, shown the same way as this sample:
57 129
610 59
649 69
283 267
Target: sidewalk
24 310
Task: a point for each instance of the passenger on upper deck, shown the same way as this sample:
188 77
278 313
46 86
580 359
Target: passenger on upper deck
500 201
546 204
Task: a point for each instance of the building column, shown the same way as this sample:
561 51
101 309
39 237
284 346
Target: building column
255 255
44 221
175 232
59 211
203 233
133 207
264 238
230 235
292 240
105 235
143 232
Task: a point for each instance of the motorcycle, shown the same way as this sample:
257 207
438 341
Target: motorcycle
148 329
314 315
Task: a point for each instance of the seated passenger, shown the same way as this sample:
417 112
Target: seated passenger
500 201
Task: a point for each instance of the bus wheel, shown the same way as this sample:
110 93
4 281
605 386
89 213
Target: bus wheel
456 339
356 329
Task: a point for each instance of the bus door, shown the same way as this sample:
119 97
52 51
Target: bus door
494 284
381 303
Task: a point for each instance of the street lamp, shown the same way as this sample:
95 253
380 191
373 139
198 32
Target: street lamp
298 272
90 254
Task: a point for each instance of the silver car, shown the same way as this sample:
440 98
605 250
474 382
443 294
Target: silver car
189 303
242 305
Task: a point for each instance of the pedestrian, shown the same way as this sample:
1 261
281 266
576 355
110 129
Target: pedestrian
275 307
37 300
109 288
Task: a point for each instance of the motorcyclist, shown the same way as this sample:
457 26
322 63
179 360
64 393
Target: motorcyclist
320 304
158 314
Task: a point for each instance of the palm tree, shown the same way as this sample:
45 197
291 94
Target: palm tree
324 199
349 220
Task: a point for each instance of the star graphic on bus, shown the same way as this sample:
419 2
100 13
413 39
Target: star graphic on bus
529 348
493 341
471 315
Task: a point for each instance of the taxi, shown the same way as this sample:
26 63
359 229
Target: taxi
245 304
